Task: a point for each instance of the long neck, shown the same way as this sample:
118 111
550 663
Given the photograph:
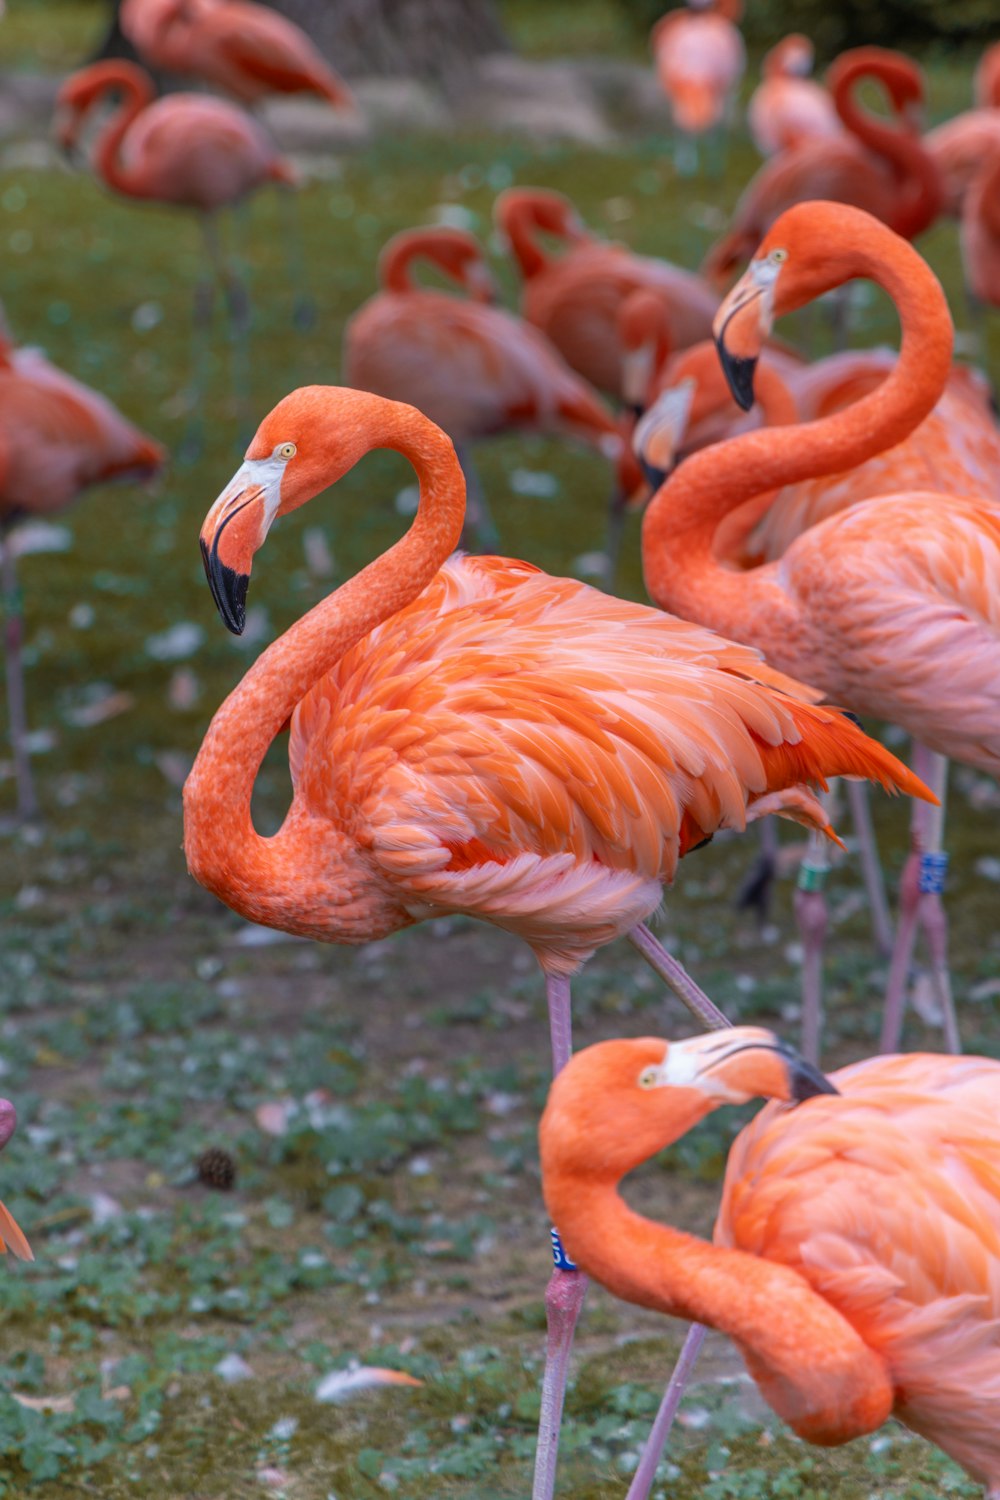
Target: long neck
778 409
682 574
919 194
522 231
137 92
812 1366
223 849
396 270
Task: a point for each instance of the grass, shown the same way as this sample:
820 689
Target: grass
398 1220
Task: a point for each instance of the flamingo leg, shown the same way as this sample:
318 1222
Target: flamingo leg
642 1479
677 979
755 892
871 868
477 511
567 1286
17 721
812 916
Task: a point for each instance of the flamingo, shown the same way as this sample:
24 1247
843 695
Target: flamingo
11 1235
575 299
856 1255
959 148
981 234
700 59
247 50
475 370
787 106
190 150
471 735
986 83
877 167
57 436
891 608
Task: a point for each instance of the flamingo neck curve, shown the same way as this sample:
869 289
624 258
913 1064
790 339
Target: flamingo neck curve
919 195
269 880
681 570
138 94
396 265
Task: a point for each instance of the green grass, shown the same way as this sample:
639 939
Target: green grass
398 1221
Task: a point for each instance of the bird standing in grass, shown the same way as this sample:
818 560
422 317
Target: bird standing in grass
700 59
57 436
856 1263
472 735
787 106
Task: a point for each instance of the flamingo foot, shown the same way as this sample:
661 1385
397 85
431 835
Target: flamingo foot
813 921
563 1303
642 1479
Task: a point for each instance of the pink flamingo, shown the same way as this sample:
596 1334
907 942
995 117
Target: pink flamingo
475 370
575 298
787 106
700 59
57 436
11 1236
247 50
856 1255
190 150
986 83
472 735
888 607
981 234
959 148
881 168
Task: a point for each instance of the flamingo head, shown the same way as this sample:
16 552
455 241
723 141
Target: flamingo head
617 1103
543 209
454 252
309 441
659 432
792 58
81 91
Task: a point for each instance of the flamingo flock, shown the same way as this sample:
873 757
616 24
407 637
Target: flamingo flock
471 735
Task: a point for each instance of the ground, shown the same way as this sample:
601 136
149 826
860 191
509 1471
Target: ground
397 1220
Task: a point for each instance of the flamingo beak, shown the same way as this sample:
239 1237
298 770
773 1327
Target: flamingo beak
741 325
659 434
233 530
745 1062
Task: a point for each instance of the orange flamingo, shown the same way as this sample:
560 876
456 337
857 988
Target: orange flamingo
981 234
788 107
881 168
926 659
475 370
472 735
11 1236
247 50
986 83
856 1263
57 436
186 149
700 59
575 298
959 148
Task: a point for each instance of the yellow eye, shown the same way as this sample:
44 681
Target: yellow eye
287 450
777 256
648 1078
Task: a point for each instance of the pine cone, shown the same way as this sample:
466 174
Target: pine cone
217 1169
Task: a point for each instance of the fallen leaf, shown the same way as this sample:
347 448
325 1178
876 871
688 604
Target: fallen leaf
45 1403
341 1385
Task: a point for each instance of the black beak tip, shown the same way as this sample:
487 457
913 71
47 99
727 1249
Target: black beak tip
654 477
739 373
807 1081
229 590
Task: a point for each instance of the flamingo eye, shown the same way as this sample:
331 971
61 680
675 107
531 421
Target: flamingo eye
778 257
285 450
649 1078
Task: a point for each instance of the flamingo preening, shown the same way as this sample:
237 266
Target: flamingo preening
472 735
856 1255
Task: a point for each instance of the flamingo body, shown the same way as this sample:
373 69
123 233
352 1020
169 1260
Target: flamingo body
959 148
981 233
248 50
787 107
986 83
700 59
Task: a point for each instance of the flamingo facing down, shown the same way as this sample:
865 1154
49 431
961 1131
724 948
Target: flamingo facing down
787 106
247 50
57 436
856 1263
891 608
883 169
11 1236
700 59
186 149
472 735
476 371
575 298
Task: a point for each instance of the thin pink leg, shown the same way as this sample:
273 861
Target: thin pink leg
642 1479
931 914
909 911
813 920
677 978
871 867
567 1286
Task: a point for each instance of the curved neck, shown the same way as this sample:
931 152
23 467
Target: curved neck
769 1309
521 227
396 267
919 194
682 574
220 841
137 92
778 409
